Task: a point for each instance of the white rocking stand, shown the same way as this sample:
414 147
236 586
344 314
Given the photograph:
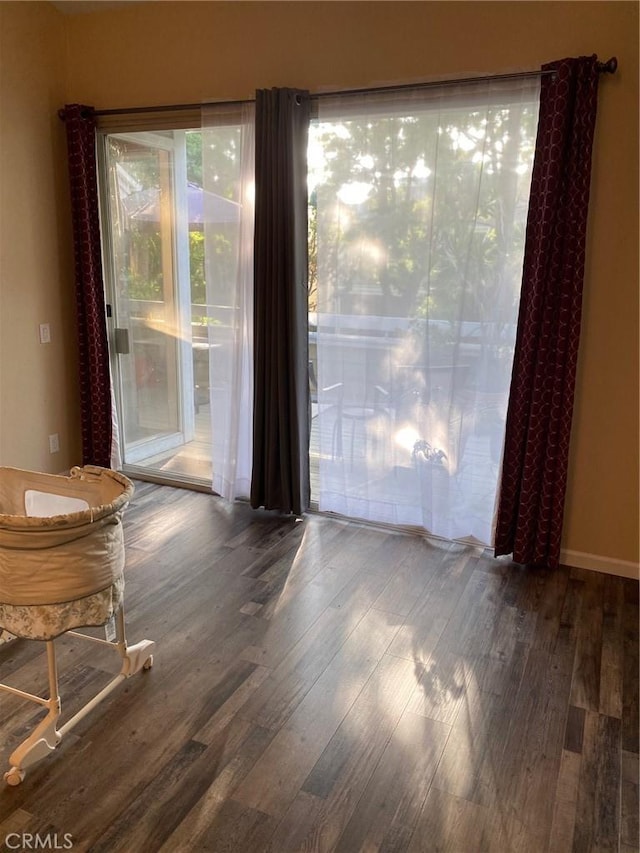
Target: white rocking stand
46 736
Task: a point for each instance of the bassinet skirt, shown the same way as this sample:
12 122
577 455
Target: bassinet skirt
48 621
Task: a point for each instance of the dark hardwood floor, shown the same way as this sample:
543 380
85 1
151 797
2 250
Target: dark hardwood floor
320 685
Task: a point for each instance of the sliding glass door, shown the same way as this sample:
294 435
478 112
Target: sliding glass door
177 228
418 213
418 204
161 374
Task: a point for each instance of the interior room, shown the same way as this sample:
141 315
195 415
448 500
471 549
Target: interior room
320 680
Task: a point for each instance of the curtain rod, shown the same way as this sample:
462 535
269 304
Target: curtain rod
608 67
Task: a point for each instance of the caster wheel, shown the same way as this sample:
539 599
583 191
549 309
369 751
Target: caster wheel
14 776
148 663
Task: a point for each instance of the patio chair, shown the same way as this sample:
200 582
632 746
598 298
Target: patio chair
373 417
332 406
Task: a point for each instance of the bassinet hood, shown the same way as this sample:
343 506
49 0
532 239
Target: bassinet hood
51 559
104 491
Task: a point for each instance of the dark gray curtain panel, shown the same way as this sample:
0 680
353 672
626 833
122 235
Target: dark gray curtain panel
280 475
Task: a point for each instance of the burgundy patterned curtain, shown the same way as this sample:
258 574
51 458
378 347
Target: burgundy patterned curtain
280 475
95 386
534 475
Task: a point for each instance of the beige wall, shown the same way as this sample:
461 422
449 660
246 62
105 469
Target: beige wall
37 381
154 53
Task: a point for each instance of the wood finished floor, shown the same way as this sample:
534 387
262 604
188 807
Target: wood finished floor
324 686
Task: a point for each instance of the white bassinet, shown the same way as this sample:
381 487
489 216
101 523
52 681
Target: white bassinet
61 567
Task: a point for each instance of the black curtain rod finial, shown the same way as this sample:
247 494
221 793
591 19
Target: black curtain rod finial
86 112
609 67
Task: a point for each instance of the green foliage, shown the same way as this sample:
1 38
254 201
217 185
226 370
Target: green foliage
144 277
196 268
193 141
219 154
437 231
139 243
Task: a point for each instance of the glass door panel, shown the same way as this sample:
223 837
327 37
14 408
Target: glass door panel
151 319
417 223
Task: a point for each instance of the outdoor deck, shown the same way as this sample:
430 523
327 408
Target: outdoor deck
405 491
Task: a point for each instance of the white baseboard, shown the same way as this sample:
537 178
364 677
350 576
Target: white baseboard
596 563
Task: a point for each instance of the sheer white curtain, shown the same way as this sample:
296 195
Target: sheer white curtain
420 203
228 214
116 453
